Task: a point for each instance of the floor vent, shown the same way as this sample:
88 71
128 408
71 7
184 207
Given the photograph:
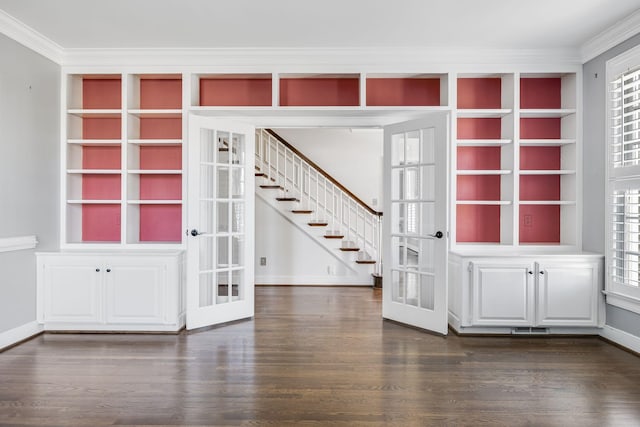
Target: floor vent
530 331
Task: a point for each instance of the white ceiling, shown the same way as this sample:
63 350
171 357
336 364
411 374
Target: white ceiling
498 24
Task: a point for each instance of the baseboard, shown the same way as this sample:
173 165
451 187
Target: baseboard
315 280
21 333
621 338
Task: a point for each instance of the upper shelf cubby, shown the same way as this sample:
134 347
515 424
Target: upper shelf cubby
485 93
319 90
232 90
547 94
94 92
155 92
421 90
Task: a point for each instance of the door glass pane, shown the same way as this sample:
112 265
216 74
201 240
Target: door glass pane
223 217
237 277
206 290
397 183
206 253
428 152
397 286
237 251
207 219
223 287
412 289
223 147
237 217
413 147
399 252
424 255
397 149
237 149
398 217
412 183
206 182
222 183
427 182
426 219
207 146
427 291
237 183
223 251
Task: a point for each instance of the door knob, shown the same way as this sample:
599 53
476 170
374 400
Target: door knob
437 235
195 232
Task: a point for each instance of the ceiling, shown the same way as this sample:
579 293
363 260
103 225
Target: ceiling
495 24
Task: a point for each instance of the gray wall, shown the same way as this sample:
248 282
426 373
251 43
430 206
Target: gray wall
29 172
594 169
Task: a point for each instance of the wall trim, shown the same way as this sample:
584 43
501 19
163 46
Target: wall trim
612 36
623 301
315 280
621 338
30 38
21 333
10 244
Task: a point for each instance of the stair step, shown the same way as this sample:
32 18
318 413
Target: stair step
349 249
365 261
287 199
261 174
333 236
318 224
272 187
301 211
223 149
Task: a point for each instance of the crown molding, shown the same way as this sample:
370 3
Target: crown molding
30 38
612 36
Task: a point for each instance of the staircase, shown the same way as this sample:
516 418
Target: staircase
317 204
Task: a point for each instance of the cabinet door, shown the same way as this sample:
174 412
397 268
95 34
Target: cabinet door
135 291
72 291
502 294
568 294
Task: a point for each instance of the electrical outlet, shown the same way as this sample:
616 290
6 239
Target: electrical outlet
263 260
528 220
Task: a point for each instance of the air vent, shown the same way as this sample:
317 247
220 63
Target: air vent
530 331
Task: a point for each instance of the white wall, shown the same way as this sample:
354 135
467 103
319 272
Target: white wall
29 172
352 158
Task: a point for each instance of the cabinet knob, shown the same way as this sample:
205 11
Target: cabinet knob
97 270
542 272
530 272
108 270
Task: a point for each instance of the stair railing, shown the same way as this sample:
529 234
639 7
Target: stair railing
315 190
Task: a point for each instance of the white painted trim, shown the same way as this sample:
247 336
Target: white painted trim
365 280
15 335
30 38
10 244
622 338
612 36
622 301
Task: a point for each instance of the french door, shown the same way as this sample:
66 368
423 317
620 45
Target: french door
415 223
220 276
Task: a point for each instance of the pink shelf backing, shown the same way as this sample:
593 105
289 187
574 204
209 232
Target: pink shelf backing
478 187
235 92
101 223
479 128
398 92
539 187
160 94
482 93
160 223
478 224
540 93
543 158
101 157
101 94
160 187
101 187
478 158
540 128
101 128
160 128
310 92
539 224
161 158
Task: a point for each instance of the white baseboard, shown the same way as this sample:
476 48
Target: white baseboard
315 280
622 338
15 335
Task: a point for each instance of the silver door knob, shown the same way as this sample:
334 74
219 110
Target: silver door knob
437 235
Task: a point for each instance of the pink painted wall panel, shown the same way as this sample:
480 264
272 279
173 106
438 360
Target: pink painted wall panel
101 187
101 223
235 92
101 94
474 158
100 157
101 128
543 158
472 128
540 187
477 223
161 158
540 93
160 128
160 223
540 128
160 187
479 93
339 92
539 224
160 94
397 92
478 187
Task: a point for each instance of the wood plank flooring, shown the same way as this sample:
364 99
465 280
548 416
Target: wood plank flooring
317 356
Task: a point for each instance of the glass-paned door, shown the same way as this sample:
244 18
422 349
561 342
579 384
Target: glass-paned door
415 223
220 216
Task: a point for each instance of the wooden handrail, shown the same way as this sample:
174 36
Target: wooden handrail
323 172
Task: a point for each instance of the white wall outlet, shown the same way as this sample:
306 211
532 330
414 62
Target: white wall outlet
263 260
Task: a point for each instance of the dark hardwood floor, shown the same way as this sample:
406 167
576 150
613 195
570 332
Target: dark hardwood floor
317 356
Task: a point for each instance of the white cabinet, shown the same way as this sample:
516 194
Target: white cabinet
497 294
111 291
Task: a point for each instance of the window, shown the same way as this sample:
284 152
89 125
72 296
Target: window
623 179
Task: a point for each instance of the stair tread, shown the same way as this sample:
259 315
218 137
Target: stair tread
365 261
260 174
318 224
301 211
287 199
333 236
349 249
274 186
